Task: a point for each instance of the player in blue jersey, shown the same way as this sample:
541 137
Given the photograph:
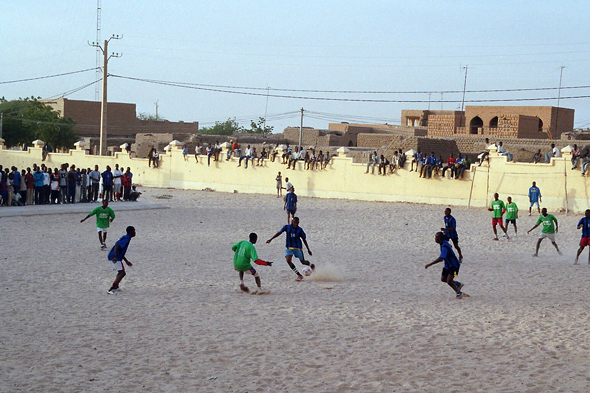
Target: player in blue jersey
584 225
290 204
450 231
534 198
117 256
294 237
451 267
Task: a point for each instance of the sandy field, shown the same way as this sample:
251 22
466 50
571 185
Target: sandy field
377 322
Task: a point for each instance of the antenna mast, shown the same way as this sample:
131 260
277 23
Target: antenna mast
98 51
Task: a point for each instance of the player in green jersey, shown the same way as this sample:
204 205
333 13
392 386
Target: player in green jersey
511 214
550 228
498 208
104 216
244 252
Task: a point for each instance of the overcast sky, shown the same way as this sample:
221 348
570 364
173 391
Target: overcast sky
328 46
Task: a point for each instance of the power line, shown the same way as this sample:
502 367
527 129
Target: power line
48 76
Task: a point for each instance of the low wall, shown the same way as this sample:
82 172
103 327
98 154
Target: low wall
561 187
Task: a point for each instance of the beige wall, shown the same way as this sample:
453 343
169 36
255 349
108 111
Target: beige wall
344 179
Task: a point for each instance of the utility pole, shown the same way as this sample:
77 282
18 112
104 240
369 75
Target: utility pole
1 117
464 86
157 118
103 115
429 100
441 101
558 98
98 23
301 131
265 108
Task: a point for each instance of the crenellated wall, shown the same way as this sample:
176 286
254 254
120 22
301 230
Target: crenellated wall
562 188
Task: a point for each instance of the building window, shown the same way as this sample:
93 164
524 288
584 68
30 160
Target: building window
475 124
540 125
494 122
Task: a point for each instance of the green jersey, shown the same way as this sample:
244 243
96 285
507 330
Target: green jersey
103 216
511 210
244 252
548 223
498 208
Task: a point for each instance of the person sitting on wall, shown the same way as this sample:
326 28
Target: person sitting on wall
150 156
286 154
401 159
423 166
383 164
585 161
293 158
460 166
576 154
394 162
156 159
247 155
320 160
416 160
484 154
431 164
450 165
229 150
263 156
503 152
537 157
553 153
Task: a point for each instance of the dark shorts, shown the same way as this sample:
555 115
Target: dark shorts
496 221
291 211
453 239
512 221
585 241
453 271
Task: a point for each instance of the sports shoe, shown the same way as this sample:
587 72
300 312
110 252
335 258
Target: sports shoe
535 255
495 238
312 266
261 291
299 278
460 286
111 292
576 262
244 288
459 295
103 246
559 252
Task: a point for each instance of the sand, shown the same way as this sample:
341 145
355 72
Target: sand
377 321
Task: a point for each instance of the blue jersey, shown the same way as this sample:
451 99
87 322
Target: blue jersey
291 201
123 243
107 178
534 194
450 222
446 253
585 222
293 236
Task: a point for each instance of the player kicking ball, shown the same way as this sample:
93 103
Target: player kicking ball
550 228
294 236
451 266
244 251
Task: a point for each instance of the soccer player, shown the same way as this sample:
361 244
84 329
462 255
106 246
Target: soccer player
117 256
451 267
104 216
244 251
534 197
584 225
498 208
550 228
450 231
294 236
511 215
290 204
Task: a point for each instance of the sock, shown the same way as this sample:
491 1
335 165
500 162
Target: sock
458 284
296 271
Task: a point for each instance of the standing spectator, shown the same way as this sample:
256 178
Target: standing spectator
553 153
72 184
17 179
288 184
54 199
63 183
126 182
23 187
279 180
95 182
534 197
46 185
576 155
373 160
84 186
156 159
117 185
185 152
39 177
30 181
197 153
107 184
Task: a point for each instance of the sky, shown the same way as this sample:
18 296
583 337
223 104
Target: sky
341 61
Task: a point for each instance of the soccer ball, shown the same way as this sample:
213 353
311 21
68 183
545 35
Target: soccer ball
306 271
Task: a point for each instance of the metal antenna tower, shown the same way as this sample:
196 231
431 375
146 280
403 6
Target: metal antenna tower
98 51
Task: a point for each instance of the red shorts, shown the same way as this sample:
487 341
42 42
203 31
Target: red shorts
585 241
496 221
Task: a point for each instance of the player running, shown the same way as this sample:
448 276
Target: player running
451 267
244 251
290 204
511 215
550 228
584 225
117 256
294 236
498 208
104 216
450 231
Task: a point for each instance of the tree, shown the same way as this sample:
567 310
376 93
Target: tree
28 119
228 127
149 116
260 127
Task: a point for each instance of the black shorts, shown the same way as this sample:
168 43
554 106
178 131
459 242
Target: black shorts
453 239
453 271
512 221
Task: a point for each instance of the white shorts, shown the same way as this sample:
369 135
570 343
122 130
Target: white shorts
116 266
117 188
103 230
550 236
